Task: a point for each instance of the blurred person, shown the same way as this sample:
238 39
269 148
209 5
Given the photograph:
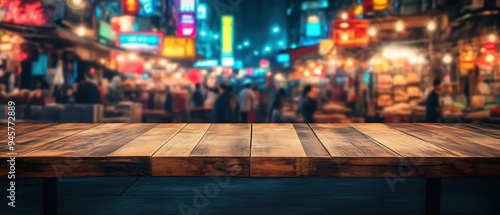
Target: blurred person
115 90
276 112
197 96
432 108
310 105
233 102
261 112
211 97
86 92
222 108
303 96
246 101
169 100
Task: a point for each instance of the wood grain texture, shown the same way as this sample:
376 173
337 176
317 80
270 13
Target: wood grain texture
466 135
277 150
183 143
21 129
148 143
342 140
311 144
484 129
98 141
224 140
453 143
40 138
401 143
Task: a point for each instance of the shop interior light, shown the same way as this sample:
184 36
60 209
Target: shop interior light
81 31
204 72
5 38
421 60
344 15
431 26
76 4
345 37
178 75
163 62
413 59
344 25
132 56
447 59
372 31
279 77
120 58
102 61
489 58
400 26
349 63
269 73
492 38
307 73
148 66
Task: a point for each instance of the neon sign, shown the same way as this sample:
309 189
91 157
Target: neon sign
147 7
187 5
227 35
23 12
130 7
140 41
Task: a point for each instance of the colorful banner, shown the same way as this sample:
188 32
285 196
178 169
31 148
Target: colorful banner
140 41
23 12
186 26
350 33
179 47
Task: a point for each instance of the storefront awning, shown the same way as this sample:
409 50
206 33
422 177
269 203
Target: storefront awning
302 52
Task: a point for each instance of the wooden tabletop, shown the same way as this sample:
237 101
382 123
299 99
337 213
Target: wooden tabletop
255 150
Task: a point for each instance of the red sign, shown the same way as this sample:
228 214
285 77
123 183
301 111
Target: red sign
130 7
490 46
350 33
23 12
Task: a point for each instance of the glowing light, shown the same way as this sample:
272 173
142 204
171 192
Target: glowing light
421 60
345 37
344 25
269 74
413 59
178 75
120 58
489 58
216 36
280 43
255 53
267 49
492 38
203 33
76 4
483 50
344 15
279 77
400 26
431 26
204 72
132 56
447 59
163 62
372 31
102 61
307 73
276 29
80 31
246 43
5 38
148 66
349 63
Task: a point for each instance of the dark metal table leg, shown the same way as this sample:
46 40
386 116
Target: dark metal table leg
49 196
433 196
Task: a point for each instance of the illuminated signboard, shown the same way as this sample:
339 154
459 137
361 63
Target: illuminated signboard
350 33
202 11
106 33
186 26
140 41
187 5
313 27
22 12
227 35
179 47
206 63
130 7
147 7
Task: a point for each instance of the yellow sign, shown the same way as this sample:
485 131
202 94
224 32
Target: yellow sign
379 5
179 47
325 46
227 34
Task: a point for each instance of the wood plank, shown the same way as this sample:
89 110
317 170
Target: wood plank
148 143
225 140
311 144
484 129
183 143
35 140
98 141
401 143
277 151
466 135
342 140
224 150
451 142
27 128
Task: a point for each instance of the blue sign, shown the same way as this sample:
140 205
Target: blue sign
283 58
147 7
137 41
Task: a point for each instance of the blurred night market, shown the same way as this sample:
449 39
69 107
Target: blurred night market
259 61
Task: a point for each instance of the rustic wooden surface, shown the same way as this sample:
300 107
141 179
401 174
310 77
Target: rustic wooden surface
255 150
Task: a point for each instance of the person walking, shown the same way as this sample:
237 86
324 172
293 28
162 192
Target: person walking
310 105
222 107
86 91
276 112
246 101
432 111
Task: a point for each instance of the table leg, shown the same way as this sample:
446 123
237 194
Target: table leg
49 196
432 196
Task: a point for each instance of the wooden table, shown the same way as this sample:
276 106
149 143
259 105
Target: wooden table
391 151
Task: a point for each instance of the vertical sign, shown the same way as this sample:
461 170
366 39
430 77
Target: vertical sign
227 40
187 18
130 7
